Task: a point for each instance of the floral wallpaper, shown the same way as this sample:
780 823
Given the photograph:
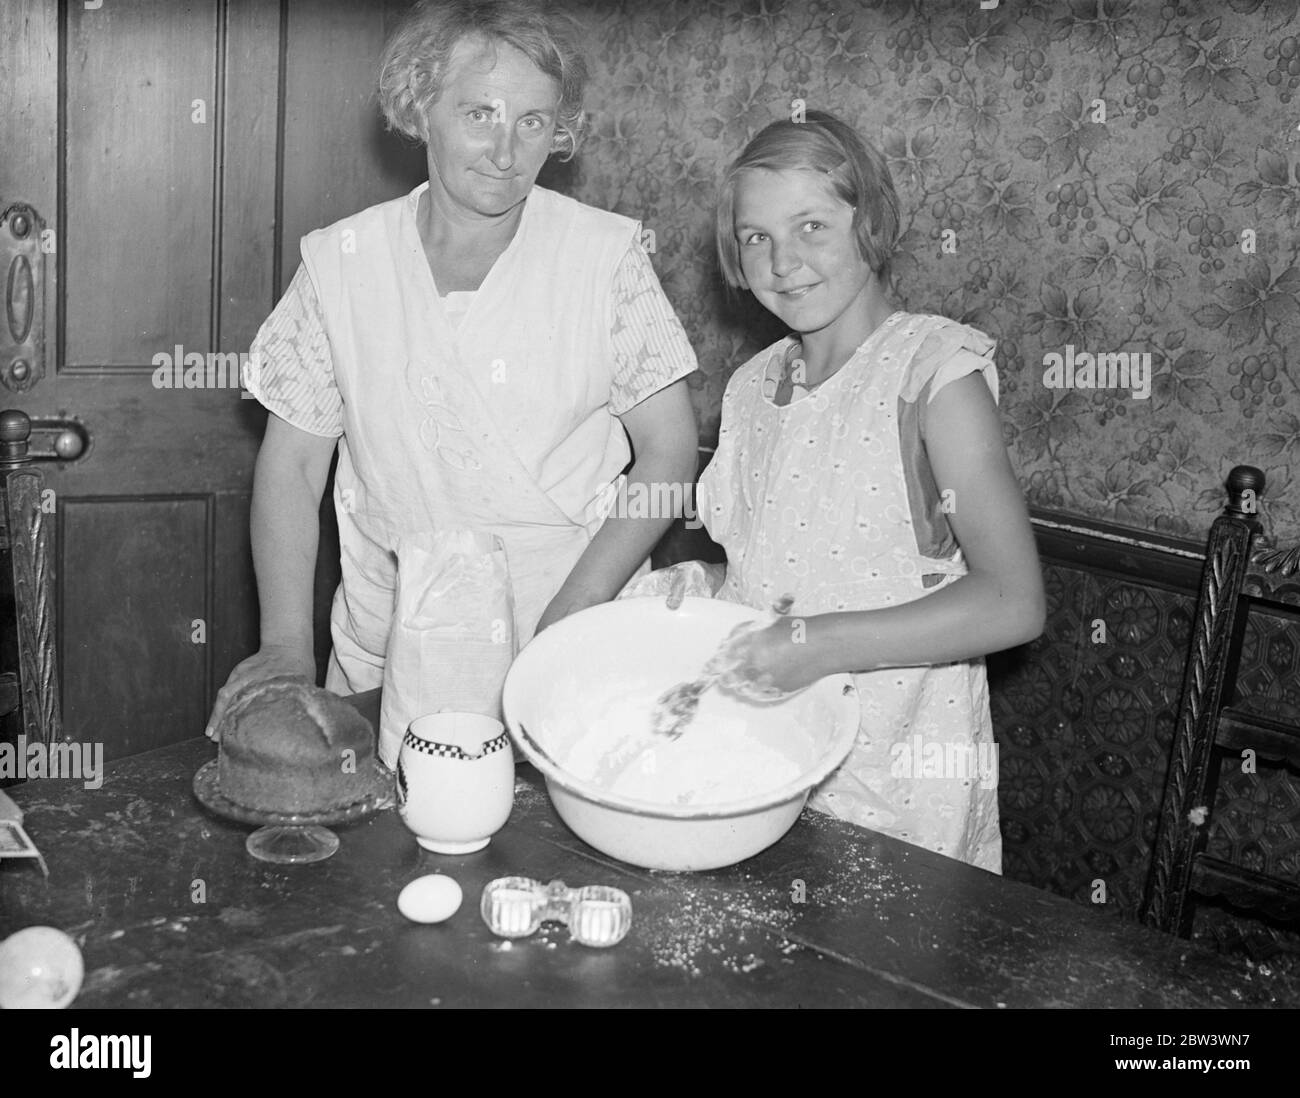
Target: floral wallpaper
1099 176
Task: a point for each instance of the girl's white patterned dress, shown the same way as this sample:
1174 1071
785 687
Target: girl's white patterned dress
831 499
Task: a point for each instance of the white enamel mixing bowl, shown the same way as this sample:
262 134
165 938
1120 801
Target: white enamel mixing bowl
639 648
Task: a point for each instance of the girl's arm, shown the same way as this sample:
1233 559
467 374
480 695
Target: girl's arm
998 605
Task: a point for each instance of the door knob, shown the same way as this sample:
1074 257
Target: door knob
68 445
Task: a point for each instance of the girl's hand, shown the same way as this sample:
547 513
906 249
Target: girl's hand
767 663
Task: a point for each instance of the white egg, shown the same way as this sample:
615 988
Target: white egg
40 967
430 899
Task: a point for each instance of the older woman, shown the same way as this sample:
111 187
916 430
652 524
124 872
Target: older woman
480 351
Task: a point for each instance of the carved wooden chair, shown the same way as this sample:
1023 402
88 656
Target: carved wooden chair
1240 573
29 684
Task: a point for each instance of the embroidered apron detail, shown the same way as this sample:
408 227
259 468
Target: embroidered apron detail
441 431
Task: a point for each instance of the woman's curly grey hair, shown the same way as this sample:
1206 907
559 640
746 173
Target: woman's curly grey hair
415 58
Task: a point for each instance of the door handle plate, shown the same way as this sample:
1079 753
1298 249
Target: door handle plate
61 440
22 283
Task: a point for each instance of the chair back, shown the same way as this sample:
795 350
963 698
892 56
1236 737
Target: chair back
29 681
1241 573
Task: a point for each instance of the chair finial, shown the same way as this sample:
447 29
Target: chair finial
1245 487
15 430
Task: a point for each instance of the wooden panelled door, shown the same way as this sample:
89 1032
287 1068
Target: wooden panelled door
159 160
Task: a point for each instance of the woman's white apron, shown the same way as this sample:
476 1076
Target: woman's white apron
500 426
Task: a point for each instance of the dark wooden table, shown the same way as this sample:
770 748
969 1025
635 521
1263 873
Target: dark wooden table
170 911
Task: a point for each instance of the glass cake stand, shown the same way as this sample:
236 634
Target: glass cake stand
286 838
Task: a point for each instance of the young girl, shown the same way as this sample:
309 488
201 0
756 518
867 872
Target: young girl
860 468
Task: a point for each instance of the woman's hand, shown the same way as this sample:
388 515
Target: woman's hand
288 480
267 662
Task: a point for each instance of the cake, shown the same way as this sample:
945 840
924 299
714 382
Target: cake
288 746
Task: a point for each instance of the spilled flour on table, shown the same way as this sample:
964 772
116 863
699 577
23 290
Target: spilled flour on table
528 795
687 928
856 878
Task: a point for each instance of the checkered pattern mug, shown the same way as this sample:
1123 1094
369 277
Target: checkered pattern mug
455 781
